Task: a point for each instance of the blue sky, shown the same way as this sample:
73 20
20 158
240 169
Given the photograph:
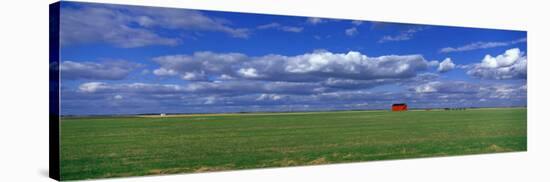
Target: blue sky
126 60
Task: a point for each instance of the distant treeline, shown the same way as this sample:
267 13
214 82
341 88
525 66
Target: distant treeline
296 111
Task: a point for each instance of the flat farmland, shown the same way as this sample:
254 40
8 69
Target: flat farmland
102 147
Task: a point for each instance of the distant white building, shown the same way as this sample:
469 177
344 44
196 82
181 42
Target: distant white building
162 114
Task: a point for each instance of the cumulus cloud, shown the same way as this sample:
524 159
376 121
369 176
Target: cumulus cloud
118 97
109 70
273 97
112 24
448 87
433 63
199 65
402 36
248 73
481 45
320 65
280 27
427 88
446 65
512 64
309 67
91 87
351 31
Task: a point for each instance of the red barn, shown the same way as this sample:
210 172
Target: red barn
399 107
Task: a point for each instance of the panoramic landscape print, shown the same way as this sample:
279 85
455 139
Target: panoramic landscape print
150 91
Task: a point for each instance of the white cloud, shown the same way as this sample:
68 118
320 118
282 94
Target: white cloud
108 70
164 72
320 65
199 65
402 36
315 21
292 29
433 63
352 65
193 76
503 91
210 100
448 87
481 45
269 26
89 23
205 88
179 19
102 87
92 87
246 94
280 27
351 31
225 77
512 64
273 97
309 67
446 65
460 92
427 88
118 97
248 72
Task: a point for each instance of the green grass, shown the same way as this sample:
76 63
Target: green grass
115 147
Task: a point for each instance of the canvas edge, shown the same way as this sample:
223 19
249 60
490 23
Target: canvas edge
54 136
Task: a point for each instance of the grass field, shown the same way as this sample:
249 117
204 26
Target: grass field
116 146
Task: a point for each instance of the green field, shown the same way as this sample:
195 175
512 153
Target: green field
117 146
